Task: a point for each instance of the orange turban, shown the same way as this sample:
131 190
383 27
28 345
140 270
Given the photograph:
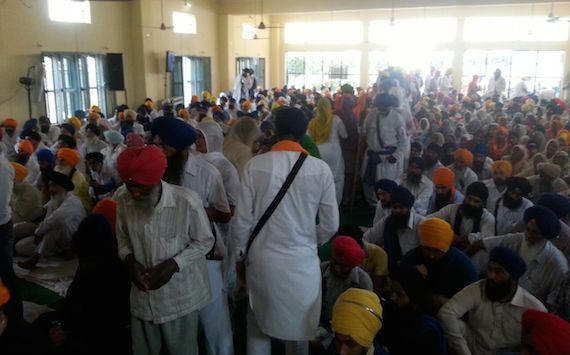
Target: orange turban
435 233
194 99
184 114
4 294
26 146
10 122
20 172
444 176
246 105
93 116
96 108
108 208
464 154
142 165
504 166
502 130
70 156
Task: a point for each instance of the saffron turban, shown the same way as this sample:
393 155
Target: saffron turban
20 172
26 146
549 169
183 113
93 116
347 251
444 176
503 166
478 189
291 121
134 140
357 313
96 108
509 260
435 233
464 154
75 122
174 132
61 180
108 208
70 156
10 122
385 185
402 196
556 203
545 219
546 333
4 294
206 95
246 105
141 165
502 130
195 98
113 137
45 155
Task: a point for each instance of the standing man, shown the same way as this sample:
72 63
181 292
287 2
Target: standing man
497 86
163 236
290 237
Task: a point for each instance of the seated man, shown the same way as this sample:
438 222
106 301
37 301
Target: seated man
501 170
46 161
53 235
444 192
101 178
547 180
560 205
509 208
470 216
461 167
66 163
495 307
26 204
481 162
25 157
446 269
431 158
546 264
384 188
357 318
419 185
397 233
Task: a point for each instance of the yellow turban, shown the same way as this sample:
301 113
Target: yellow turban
96 108
4 294
206 95
20 172
76 122
504 166
435 233
358 314
93 116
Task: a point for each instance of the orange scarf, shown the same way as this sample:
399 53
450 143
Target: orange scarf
288 146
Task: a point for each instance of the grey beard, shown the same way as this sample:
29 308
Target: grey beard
145 207
57 199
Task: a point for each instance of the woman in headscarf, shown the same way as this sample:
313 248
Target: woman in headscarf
555 127
349 145
562 159
114 148
540 139
518 159
533 169
239 143
327 130
552 147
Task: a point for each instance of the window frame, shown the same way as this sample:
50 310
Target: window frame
68 16
189 65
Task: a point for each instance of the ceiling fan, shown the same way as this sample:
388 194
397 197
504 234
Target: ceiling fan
256 37
162 26
262 25
551 18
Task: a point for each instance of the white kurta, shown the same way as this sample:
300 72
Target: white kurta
331 153
283 270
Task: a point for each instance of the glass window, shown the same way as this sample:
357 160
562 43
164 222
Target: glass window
323 69
432 30
334 32
69 11
191 76
514 29
247 31
254 63
183 23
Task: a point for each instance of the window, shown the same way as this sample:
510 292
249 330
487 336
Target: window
191 76
514 29
336 32
544 69
73 81
258 66
69 11
432 30
322 69
247 31
184 23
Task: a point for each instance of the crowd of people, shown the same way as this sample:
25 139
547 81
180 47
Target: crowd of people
177 214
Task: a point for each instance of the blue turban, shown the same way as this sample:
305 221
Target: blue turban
45 155
402 196
174 132
291 121
556 203
383 101
480 149
547 221
509 260
29 126
114 137
385 185
80 114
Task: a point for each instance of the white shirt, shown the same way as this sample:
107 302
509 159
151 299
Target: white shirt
508 220
521 89
381 212
407 237
448 213
290 238
422 192
228 171
494 194
492 327
63 219
392 131
6 187
463 179
496 86
50 137
544 273
10 144
204 179
178 229
429 171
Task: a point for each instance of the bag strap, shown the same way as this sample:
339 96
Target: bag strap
269 211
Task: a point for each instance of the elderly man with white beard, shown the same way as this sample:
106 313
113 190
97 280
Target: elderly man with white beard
53 234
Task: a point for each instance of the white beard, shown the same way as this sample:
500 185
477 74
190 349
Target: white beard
57 199
145 207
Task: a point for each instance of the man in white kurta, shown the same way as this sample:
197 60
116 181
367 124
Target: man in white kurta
386 142
283 258
497 86
419 185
